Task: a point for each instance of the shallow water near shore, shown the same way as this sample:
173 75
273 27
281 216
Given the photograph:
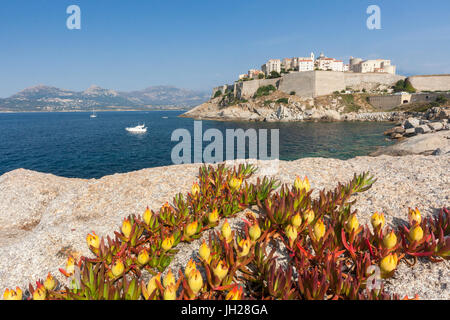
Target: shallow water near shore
75 145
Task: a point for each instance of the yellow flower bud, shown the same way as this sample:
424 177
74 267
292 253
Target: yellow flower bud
40 293
195 281
189 267
118 268
244 246
414 216
300 184
204 251
12 295
167 243
352 223
221 270
213 216
319 229
234 294
93 240
195 189
235 183
170 293
416 233
226 231
377 220
254 231
296 220
390 240
169 279
50 282
389 263
308 216
143 257
291 233
70 265
191 229
147 216
126 228
152 286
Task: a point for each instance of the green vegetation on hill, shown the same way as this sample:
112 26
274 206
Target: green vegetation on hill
264 91
404 86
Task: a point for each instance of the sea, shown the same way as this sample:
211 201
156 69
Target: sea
71 144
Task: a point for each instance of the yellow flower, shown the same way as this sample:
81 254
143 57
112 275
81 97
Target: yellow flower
390 240
308 215
195 281
189 267
12 295
352 223
50 282
204 251
118 268
291 233
414 216
152 286
70 265
234 294
254 231
170 293
143 257
168 243
126 228
226 231
221 270
416 233
169 279
235 183
300 184
191 229
40 293
389 263
93 240
195 189
377 220
319 229
244 246
147 216
213 216
296 220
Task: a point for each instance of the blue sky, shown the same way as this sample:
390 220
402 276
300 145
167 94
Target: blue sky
198 44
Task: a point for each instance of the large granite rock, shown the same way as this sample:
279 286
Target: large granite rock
420 144
43 218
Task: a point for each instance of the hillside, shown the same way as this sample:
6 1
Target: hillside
46 98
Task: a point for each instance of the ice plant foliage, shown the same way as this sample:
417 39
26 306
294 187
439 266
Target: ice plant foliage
329 254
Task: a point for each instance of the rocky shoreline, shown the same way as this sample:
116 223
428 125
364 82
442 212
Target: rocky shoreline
44 218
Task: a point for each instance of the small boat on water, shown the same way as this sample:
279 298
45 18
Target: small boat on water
93 115
138 129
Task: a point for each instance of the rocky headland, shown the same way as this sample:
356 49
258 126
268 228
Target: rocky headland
45 218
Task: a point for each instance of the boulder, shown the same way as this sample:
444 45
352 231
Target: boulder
399 129
435 126
423 129
410 132
412 123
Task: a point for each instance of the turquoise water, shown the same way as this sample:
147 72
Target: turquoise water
74 145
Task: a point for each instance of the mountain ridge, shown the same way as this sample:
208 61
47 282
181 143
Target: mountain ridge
48 98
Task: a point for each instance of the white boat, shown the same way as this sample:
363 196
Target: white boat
93 115
137 129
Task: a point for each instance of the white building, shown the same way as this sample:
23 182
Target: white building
377 66
331 64
243 76
305 65
271 65
254 74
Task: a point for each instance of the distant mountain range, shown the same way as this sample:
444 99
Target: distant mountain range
45 98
